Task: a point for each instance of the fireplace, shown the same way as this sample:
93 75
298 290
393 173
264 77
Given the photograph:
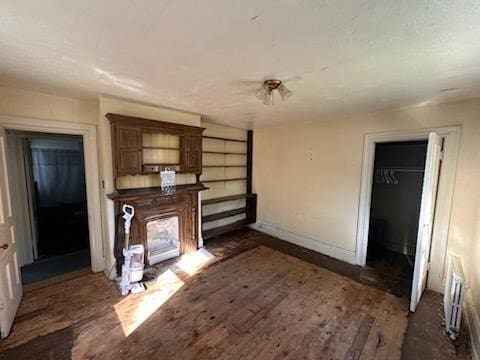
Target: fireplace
162 239
165 223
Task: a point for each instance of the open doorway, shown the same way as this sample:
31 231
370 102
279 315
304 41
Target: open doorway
49 188
396 198
435 208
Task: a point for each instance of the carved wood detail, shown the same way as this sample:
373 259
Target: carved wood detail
127 145
152 204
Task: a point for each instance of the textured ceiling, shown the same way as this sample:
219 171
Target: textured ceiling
209 57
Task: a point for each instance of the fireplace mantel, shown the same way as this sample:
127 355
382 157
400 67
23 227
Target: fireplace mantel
128 194
153 203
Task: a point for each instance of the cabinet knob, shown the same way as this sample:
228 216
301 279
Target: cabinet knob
4 247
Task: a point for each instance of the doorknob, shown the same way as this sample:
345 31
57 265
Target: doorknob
4 247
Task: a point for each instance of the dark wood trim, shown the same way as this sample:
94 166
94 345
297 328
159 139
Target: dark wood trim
252 209
223 215
226 198
249 160
155 125
207 234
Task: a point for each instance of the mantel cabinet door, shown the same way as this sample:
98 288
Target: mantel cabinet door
192 154
128 157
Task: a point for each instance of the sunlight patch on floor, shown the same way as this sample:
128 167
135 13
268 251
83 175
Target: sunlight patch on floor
191 263
134 309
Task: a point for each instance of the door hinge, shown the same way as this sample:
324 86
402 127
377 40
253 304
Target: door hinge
428 266
441 155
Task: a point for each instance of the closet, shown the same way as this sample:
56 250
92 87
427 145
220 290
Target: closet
395 208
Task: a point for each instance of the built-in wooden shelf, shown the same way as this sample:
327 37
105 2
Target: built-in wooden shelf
224 139
226 198
221 166
133 151
223 180
207 234
223 214
224 153
249 207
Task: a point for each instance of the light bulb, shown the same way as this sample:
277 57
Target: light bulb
284 92
261 94
269 98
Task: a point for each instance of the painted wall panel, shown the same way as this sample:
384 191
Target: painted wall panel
307 176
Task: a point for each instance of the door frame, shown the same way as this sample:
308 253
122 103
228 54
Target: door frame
446 185
89 135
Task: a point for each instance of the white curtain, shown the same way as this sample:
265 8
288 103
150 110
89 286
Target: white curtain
59 175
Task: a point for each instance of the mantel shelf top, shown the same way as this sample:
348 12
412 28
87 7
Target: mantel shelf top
125 194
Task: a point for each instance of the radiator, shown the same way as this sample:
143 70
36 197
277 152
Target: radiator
453 298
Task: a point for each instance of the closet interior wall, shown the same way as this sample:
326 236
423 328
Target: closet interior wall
396 196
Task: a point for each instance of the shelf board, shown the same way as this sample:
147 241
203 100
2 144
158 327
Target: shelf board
226 198
223 153
207 234
223 180
223 214
220 166
225 139
160 164
158 148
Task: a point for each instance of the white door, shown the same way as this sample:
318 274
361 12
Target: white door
425 221
10 281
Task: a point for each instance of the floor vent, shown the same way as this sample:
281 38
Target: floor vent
453 298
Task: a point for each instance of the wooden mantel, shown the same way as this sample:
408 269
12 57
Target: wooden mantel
152 204
130 194
135 153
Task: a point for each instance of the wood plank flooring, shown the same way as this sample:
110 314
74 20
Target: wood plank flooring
261 304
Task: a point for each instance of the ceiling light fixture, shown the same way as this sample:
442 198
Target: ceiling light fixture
265 93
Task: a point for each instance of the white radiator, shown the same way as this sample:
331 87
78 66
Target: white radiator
453 298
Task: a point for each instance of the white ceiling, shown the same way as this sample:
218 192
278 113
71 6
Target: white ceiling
209 57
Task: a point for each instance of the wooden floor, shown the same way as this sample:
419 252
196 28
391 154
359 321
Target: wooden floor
260 304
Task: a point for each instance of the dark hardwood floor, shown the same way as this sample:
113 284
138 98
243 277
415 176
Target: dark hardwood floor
258 298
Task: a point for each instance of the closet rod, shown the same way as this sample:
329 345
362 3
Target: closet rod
402 169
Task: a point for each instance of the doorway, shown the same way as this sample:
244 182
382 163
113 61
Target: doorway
395 204
50 189
435 211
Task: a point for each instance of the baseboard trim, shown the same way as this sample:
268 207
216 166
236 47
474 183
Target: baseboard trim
473 324
306 242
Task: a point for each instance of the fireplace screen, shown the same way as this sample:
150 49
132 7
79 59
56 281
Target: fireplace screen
162 239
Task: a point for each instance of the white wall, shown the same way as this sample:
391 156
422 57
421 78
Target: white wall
307 177
32 104
15 104
29 104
